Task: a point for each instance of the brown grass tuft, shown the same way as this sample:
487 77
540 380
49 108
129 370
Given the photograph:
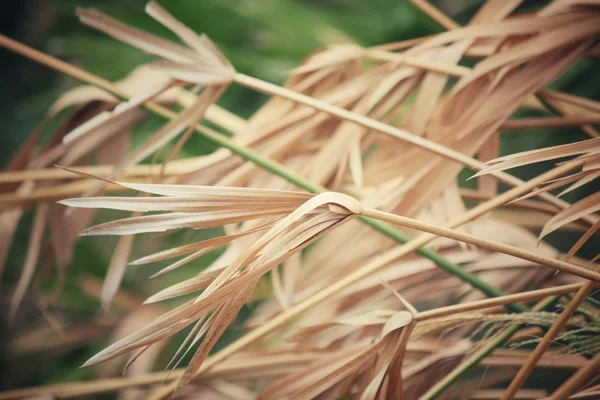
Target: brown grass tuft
305 193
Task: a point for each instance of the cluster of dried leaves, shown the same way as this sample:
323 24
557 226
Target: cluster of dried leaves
374 133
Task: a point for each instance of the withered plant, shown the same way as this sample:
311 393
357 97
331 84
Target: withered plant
340 214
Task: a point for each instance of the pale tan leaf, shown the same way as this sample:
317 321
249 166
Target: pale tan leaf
538 155
198 43
193 247
207 192
31 258
191 285
221 322
589 205
198 74
120 111
142 40
178 204
165 222
116 270
81 95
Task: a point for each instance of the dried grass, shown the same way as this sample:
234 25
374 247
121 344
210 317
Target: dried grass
378 136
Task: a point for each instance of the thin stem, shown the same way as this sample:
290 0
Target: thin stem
472 194
362 120
435 14
579 378
550 122
418 62
241 366
560 110
442 262
404 44
582 102
483 243
480 354
548 338
532 295
176 167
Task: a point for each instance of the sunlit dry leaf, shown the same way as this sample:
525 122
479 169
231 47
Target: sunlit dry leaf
588 151
31 259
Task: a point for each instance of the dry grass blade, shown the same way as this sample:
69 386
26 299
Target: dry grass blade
471 239
169 221
205 246
589 205
580 378
435 14
533 156
587 151
224 317
121 111
31 259
116 270
201 281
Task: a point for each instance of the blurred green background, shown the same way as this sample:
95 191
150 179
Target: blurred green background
262 38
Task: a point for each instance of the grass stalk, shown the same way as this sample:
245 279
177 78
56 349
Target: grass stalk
586 129
483 243
173 168
418 62
533 295
578 379
435 14
550 122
